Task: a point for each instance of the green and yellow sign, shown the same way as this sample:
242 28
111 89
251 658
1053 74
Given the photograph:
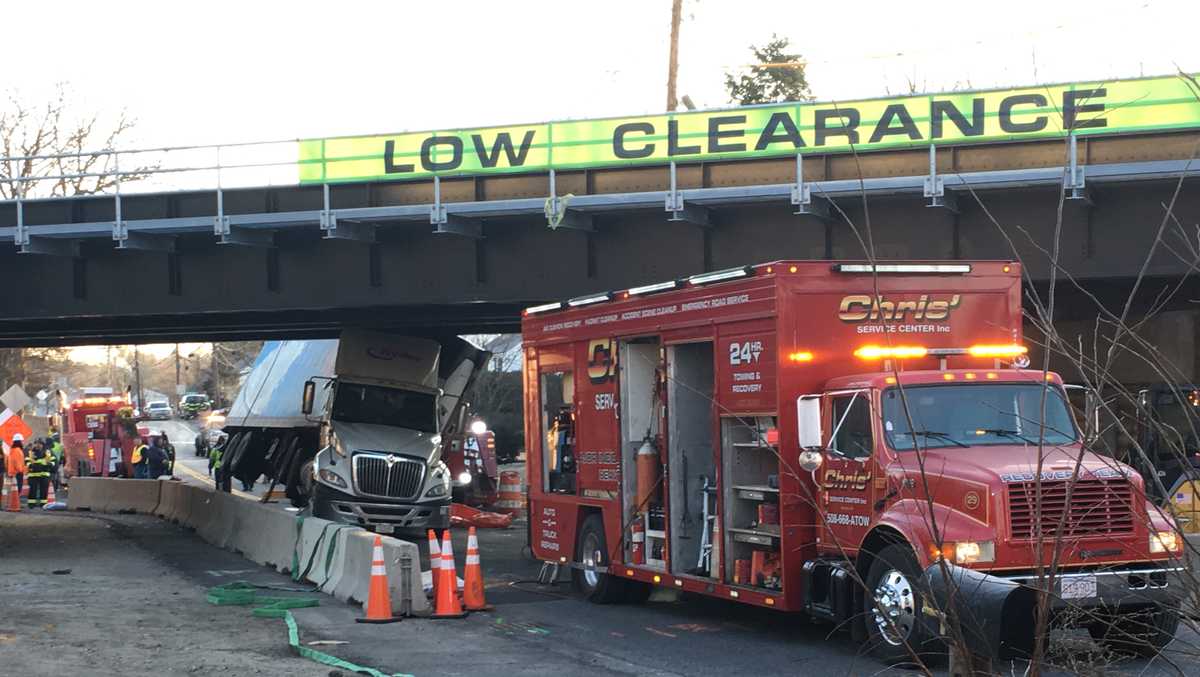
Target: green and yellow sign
1121 106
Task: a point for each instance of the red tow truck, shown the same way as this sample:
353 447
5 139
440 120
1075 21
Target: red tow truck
98 436
474 473
847 440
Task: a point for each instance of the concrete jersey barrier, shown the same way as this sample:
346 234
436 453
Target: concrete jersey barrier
102 494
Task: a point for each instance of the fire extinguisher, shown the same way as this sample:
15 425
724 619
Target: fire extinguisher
637 548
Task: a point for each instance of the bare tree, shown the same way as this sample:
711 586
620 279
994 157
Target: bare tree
49 150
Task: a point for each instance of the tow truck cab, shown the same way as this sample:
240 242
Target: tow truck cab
891 448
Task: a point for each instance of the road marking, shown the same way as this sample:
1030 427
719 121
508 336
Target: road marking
205 479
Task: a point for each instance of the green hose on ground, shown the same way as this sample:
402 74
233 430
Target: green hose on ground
242 593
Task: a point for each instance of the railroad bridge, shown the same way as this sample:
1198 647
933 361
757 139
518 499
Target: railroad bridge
460 229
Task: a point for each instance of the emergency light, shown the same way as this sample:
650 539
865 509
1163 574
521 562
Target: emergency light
544 308
903 268
719 275
651 288
873 352
588 300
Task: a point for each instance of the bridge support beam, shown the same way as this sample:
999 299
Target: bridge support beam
335 229
458 225
138 241
49 246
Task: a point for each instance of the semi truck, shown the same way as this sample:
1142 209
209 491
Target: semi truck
846 440
352 427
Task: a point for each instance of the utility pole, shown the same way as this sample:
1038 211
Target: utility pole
216 370
137 378
178 391
673 61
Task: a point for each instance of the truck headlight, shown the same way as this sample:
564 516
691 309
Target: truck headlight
332 478
464 477
1164 541
970 552
965 552
478 427
436 490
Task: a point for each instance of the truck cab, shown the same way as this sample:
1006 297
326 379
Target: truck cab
965 446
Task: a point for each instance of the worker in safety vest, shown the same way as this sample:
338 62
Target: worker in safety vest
56 450
139 460
15 463
214 459
40 464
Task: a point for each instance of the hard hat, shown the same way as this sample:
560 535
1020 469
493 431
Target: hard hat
18 437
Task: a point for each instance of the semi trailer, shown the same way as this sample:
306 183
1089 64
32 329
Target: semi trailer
849 441
352 428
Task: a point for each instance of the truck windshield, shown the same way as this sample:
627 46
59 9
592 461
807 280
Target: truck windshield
377 405
963 415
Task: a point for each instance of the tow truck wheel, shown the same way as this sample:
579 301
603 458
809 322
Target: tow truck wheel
1140 633
592 555
892 607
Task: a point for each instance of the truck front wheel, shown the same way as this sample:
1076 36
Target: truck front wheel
591 553
1141 633
892 606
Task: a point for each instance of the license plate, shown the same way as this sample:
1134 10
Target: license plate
391 529
1078 587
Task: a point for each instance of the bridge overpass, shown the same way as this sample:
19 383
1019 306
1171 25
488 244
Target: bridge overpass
460 230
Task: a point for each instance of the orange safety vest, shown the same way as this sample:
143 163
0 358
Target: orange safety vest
16 461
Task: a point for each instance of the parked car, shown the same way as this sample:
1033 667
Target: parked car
159 411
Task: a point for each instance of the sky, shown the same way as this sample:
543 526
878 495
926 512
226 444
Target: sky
245 71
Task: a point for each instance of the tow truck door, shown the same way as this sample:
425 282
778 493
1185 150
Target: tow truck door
845 478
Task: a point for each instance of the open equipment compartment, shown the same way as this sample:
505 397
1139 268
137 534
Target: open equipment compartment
691 458
641 419
749 450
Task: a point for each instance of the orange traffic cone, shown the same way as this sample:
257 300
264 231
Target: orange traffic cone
379 599
50 497
14 498
473 577
448 605
435 562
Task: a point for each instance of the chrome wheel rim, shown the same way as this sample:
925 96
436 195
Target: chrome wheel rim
591 557
895 608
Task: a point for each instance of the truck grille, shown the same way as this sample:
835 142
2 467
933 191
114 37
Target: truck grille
1097 508
374 476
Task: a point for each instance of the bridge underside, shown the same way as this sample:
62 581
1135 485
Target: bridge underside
468 255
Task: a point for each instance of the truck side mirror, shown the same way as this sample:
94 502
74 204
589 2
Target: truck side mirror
1091 414
808 425
310 395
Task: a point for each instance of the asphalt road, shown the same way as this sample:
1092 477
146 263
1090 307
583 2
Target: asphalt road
535 629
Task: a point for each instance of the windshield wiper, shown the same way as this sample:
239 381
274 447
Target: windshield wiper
1008 433
940 436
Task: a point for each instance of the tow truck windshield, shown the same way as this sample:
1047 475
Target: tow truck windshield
966 415
356 403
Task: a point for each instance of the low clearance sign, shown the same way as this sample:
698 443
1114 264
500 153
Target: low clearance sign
1147 104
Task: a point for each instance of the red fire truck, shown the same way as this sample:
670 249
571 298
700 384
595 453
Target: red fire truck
98 436
780 435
